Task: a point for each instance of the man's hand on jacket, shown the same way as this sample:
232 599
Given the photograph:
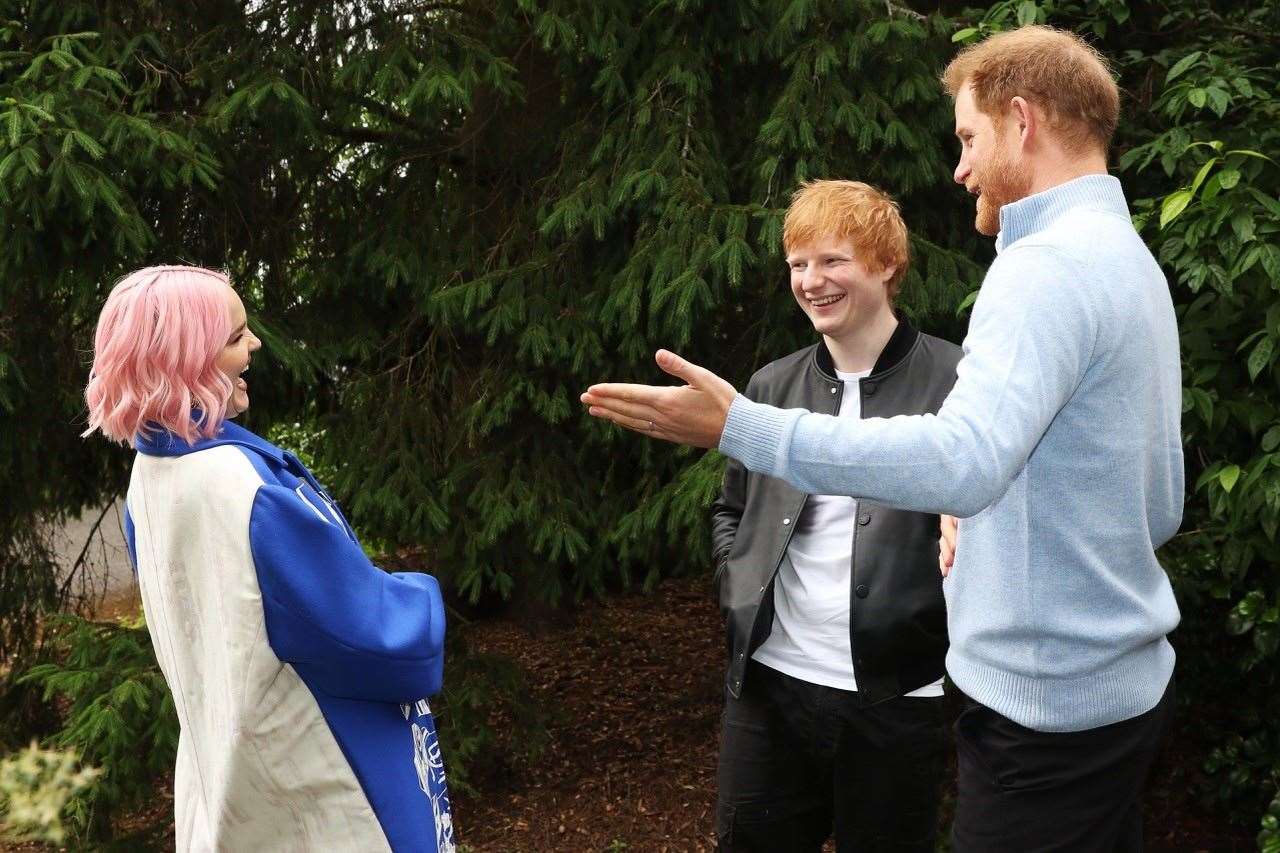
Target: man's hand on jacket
947 544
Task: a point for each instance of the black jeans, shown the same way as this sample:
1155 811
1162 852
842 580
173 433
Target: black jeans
1024 791
799 760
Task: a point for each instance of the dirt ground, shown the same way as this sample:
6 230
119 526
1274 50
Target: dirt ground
630 766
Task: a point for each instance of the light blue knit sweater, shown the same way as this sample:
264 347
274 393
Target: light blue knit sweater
1060 448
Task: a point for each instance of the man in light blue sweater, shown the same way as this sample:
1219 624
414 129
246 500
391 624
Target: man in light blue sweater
1059 447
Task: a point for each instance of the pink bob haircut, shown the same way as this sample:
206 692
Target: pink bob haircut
159 336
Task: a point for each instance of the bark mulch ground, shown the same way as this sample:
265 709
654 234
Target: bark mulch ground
631 760
636 684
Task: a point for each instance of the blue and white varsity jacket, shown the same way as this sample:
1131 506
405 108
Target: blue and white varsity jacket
299 670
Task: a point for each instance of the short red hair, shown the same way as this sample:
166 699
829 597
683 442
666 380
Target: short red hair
1056 70
854 211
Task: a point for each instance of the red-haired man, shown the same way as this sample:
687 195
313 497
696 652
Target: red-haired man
836 621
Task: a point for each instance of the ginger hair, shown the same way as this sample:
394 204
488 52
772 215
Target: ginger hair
1053 69
858 212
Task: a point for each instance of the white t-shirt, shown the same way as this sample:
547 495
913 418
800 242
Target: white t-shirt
810 636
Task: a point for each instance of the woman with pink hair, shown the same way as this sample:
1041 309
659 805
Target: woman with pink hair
299 670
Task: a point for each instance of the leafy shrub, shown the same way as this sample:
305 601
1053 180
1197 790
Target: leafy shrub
35 787
486 714
119 714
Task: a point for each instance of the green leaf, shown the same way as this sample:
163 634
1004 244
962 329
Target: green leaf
1271 439
964 34
1228 476
1027 12
1207 476
1212 187
1218 100
1260 358
1229 178
1243 225
1182 65
966 303
1249 152
1271 264
1173 205
1197 98
13 120
1200 176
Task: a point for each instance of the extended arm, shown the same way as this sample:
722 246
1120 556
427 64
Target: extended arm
1029 343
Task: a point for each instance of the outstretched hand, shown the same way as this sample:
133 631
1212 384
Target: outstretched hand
692 414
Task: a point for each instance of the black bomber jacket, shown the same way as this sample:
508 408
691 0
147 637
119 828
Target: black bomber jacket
898 627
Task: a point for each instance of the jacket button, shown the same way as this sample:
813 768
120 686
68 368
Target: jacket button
762 590
864 519
833 390
860 662
861 591
786 521
869 388
740 655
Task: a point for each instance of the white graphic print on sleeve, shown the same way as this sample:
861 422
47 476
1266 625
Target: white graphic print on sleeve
429 762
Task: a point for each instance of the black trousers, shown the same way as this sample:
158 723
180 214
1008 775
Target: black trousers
1024 791
800 762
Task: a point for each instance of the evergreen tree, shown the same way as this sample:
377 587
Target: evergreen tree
448 218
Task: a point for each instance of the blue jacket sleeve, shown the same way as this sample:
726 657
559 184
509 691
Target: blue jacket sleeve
349 628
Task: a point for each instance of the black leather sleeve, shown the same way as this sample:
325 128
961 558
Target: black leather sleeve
726 512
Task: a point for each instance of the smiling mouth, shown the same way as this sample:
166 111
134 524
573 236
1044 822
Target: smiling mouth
824 301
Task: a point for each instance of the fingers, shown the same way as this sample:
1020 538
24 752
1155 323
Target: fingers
599 405
946 544
640 425
631 393
697 377
680 368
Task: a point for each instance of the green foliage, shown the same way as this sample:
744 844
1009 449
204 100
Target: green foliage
119 713
1269 837
35 787
88 148
480 690
1211 127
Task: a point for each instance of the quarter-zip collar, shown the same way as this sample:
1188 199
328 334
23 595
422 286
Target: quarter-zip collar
1037 212
897 348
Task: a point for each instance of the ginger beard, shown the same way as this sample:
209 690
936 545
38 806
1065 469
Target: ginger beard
1001 180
